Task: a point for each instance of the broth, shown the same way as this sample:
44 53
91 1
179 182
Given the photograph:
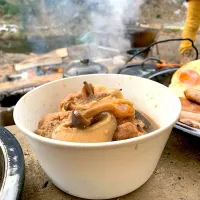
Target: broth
150 124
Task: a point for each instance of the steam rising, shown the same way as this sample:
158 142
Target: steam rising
55 24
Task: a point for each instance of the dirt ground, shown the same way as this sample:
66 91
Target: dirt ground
177 176
163 11
152 11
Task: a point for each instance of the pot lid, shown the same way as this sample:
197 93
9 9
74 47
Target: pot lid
85 66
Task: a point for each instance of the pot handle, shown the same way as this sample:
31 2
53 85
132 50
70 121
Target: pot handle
149 58
163 41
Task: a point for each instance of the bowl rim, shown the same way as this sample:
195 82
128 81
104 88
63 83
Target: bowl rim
111 144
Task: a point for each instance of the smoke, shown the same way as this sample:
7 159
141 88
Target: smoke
118 12
113 20
54 24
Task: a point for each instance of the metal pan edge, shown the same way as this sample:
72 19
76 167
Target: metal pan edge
165 74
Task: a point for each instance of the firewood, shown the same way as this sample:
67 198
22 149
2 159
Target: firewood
38 62
33 82
51 58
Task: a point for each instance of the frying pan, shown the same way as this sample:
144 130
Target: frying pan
164 77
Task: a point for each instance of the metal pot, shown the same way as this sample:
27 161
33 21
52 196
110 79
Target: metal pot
85 66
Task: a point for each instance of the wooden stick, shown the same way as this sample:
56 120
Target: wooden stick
52 58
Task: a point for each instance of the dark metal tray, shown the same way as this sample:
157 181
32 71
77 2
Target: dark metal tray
11 166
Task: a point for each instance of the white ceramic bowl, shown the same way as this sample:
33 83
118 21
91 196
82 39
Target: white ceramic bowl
99 170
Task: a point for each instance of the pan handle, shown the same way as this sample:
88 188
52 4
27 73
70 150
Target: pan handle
149 58
163 41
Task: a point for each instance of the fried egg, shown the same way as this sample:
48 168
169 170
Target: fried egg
187 76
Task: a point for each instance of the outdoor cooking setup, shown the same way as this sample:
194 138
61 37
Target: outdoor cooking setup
19 78
24 76
42 43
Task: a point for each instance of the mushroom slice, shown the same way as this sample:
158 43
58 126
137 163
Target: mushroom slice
79 121
87 97
120 108
85 104
89 89
101 131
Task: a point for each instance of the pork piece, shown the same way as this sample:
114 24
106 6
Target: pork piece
190 122
132 120
87 97
99 89
139 124
129 130
125 131
101 130
189 106
193 95
49 122
124 120
190 115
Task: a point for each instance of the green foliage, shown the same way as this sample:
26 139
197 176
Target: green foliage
5 9
158 16
2 2
13 10
9 8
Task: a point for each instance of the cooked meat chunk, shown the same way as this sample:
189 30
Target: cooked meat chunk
49 122
193 95
190 122
139 123
101 130
190 115
189 106
125 131
99 89
122 121
94 114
